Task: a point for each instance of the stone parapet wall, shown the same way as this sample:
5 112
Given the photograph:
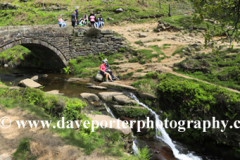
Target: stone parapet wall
105 42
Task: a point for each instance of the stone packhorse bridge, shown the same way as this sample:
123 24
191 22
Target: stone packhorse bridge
55 46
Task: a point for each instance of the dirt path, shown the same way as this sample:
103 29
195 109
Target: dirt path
181 75
174 40
45 144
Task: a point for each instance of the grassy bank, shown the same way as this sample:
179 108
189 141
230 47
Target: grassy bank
184 99
221 68
31 12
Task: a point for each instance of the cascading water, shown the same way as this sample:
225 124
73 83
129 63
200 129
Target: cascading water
109 110
163 134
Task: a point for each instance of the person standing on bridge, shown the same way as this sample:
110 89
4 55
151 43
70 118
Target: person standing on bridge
77 14
73 19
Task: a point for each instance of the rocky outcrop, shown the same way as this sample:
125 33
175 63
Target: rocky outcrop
165 27
8 6
119 86
108 96
34 78
122 99
99 76
29 83
90 97
117 125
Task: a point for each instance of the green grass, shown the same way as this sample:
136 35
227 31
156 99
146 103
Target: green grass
218 68
82 66
31 13
23 151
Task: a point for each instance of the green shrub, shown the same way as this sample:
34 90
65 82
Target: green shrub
93 32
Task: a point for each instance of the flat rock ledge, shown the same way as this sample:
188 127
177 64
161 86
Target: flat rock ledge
78 80
29 83
90 97
97 87
119 86
108 96
110 123
122 99
55 92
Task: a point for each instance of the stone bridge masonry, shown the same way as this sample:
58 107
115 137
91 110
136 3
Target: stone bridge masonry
55 46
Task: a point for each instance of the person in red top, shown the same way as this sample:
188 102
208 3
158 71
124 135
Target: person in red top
103 71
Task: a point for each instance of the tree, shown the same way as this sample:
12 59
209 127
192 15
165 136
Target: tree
225 12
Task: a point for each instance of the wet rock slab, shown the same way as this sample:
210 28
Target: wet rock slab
123 99
118 86
90 97
108 96
97 87
29 83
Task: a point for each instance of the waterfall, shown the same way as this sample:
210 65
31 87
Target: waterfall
135 148
109 110
164 136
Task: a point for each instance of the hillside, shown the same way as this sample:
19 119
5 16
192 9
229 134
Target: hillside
38 12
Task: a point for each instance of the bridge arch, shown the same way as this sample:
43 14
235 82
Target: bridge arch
49 54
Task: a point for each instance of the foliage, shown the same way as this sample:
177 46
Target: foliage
23 151
187 99
219 67
93 32
225 12
66 69
144 153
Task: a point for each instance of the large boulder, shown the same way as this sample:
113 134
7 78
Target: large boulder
142 35
29 83
99 76
110 123
34 78
119 86
122 99
119 10
108 96
90 97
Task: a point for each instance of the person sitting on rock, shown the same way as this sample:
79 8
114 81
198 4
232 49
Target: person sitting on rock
85 17
96 23
100 21
108 70
61 22
103 71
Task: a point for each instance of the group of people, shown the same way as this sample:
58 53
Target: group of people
95 22
105 71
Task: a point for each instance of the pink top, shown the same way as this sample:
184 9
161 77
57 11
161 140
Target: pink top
102 67
60 20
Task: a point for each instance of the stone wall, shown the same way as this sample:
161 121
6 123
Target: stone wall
105 42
